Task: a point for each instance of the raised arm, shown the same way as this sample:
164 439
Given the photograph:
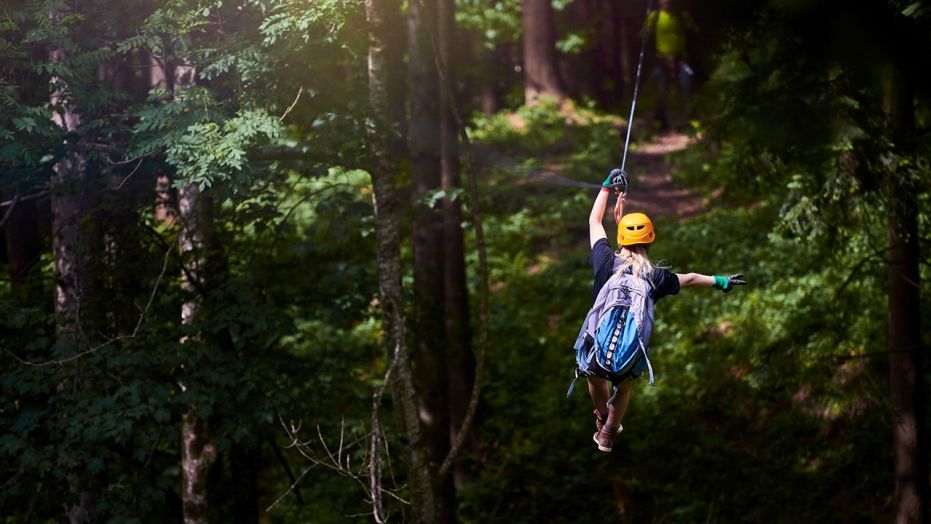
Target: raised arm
722 282
596 230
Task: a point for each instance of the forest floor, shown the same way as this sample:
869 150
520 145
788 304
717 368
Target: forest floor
543 164
653 188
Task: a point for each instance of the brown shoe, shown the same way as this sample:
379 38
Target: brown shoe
605 437
599 420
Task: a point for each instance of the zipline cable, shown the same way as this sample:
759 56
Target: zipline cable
619 177
633 101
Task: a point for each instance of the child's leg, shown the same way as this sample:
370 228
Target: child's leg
618 408
600 391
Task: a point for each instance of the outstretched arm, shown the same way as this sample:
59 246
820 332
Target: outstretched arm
694 279
722 282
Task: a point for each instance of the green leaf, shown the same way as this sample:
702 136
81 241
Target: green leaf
912 9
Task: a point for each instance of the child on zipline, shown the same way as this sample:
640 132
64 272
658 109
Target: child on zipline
630 273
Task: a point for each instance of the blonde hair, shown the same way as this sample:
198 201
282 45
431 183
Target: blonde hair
636 259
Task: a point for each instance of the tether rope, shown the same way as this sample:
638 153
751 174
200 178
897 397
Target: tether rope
633 102
618 177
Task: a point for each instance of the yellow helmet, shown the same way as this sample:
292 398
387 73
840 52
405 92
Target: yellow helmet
635 228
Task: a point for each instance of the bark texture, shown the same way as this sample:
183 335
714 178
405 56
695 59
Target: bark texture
541 69
68 205
388 239
460 361
424 145
67 198
165 207
910 440
198 451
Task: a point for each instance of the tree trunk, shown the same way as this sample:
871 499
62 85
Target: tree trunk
166 210
68 185
386 204
460 361
70 277
623 41
427 235
395 42
583 73
910 441
198 455
198 451
615 37
541 73
68 205
489 78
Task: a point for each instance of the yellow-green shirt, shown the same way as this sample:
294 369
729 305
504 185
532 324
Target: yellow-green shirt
670 32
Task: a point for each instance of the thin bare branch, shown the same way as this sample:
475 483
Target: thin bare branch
342 426
876 255
124 162
127 177
17 199
291 487
378 510
325 447
9 211
384 439
340 462
110 341
290 107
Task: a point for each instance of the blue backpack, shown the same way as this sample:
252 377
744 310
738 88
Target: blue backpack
612 343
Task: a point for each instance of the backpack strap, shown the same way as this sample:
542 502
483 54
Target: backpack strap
572 384
614 394
641 286
647 358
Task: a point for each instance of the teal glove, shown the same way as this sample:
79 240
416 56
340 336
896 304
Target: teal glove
727 283
616 179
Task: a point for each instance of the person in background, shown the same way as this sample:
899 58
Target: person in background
667 29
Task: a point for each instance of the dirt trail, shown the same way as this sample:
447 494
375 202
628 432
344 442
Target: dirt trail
652 189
